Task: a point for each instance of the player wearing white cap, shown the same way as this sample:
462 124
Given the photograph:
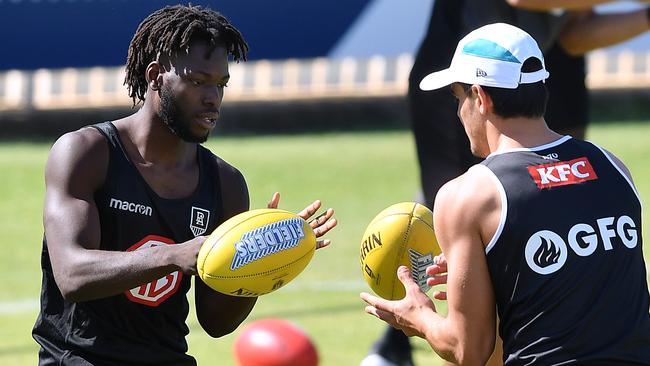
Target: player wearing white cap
547 229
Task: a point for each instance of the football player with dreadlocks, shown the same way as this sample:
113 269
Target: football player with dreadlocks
128 203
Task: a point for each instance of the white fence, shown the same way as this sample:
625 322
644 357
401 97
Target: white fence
276 80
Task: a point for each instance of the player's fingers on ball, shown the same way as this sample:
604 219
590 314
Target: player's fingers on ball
441 266
437 280
404 275
440 260
433 270
440 295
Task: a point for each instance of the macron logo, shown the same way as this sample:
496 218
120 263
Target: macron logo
562 173
131 207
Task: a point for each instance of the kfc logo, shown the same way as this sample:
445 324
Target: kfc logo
562 173
155 292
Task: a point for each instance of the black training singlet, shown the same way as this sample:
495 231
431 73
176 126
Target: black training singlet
566 261
147 324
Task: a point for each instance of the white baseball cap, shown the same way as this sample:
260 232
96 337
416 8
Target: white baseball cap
491 56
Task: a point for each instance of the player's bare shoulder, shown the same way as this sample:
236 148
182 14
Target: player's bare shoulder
79 156
475 188
471 202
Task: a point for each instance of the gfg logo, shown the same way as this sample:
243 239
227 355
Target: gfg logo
546 252
155 292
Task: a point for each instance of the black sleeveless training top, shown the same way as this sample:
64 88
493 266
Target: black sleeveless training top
145 325
566 261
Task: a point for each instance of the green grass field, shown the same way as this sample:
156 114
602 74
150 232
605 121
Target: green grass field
356 173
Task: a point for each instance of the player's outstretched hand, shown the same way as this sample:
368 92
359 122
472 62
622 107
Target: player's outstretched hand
408 314
438 275
321 224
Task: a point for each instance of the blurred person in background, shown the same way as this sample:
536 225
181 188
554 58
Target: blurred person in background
565 30
128 203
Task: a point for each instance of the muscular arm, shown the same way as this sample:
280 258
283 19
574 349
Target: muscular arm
217 313
76 167
463 218
587 31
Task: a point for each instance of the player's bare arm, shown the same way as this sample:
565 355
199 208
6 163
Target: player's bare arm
586 31
75 169
221 314
466 215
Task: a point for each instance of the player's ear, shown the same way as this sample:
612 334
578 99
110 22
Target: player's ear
483 99
153 75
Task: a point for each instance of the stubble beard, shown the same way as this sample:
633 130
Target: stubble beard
170 114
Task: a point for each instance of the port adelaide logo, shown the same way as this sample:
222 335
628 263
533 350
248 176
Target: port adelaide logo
199 220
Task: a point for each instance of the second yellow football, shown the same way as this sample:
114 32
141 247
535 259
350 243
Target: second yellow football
400 235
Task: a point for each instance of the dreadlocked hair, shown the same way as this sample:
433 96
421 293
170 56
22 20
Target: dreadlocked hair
171 29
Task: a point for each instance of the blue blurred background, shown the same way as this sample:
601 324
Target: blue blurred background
84 33
325 62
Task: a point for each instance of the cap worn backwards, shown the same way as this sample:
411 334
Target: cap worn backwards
491 56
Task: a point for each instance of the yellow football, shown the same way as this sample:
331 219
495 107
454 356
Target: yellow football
256 252
400 235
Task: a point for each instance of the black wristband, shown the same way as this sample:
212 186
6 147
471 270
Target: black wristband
647 14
